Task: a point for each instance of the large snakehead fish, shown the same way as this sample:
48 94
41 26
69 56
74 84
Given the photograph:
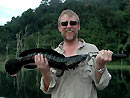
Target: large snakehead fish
55 60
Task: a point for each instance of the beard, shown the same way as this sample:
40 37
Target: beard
69 37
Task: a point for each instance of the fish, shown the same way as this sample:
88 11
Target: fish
55 60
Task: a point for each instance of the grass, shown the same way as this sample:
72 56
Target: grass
118 64
116 67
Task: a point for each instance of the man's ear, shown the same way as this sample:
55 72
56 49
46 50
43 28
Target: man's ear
79 26
59 27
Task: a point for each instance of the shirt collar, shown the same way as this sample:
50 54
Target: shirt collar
81 44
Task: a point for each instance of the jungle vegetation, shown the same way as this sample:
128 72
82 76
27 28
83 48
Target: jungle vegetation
105 23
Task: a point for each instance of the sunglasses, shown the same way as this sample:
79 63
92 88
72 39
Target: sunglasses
72 23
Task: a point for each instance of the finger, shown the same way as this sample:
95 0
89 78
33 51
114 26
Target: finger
110 51
35 58
110 55
107 55
39 57
102 52
42 58
104 55
46 61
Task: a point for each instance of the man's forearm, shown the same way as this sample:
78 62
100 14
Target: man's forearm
99 73
46 80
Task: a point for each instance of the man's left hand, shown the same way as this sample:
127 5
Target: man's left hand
102 58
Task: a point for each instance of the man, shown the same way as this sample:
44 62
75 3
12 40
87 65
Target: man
82 81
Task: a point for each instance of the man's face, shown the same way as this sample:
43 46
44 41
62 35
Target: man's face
69 27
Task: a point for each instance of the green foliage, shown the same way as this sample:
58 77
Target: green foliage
104 23
30 42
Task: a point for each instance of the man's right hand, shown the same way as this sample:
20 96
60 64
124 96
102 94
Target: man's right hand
42 64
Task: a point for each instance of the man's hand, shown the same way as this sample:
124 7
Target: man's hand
43 66
102 58
42 63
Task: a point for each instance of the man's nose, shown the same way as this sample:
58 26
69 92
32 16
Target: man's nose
68 26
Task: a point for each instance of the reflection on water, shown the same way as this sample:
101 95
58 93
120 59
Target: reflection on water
26 85
119 86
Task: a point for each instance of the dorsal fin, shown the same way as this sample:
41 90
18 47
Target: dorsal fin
42 51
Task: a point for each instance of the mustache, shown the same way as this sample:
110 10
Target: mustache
71 29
